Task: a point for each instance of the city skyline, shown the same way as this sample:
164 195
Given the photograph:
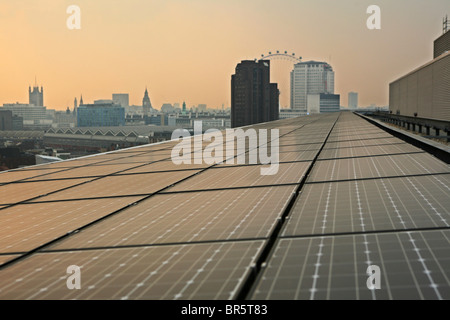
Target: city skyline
188 50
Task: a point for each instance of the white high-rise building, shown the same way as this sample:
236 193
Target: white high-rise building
311 77
352 100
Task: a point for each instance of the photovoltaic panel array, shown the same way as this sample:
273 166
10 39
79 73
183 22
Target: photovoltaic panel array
345 194
384 205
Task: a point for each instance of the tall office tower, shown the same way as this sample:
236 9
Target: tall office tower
36 97
352 100
121 99
146 104
253 98
310 77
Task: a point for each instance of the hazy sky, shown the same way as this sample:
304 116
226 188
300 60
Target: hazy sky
188 49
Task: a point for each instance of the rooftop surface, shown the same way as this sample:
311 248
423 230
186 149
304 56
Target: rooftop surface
347 195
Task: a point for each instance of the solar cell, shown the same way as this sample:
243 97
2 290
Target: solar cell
26 227
199 271
187 217
413 265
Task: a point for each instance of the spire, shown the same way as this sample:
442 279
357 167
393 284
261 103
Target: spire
146 104
81 100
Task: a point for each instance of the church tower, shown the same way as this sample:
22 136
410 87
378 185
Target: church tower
36 97
146 104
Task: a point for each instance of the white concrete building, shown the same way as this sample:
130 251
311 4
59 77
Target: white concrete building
310 77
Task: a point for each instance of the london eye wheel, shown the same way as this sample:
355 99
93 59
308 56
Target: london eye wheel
281 65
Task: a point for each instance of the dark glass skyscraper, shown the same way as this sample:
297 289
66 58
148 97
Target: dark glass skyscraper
253 98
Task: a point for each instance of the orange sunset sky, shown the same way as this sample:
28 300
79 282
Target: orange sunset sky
188 49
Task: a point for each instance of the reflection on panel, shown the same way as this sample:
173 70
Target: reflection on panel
186 217
200 271
25 227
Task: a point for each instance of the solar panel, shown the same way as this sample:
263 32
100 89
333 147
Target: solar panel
7 257
297 156
87 171
186 217
368 151
11 176
384 204
360 143
166 165
243 176
413 265
196 271
124 185
145 228
359 168
17 192
26 227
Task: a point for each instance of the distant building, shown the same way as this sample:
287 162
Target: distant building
167 108
442 44
121 99
201 107
353 100
253 98
157 119
33 116
6 120
323 103
290 113
425 92
64 119
310 77
36 97
103 101
100 115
